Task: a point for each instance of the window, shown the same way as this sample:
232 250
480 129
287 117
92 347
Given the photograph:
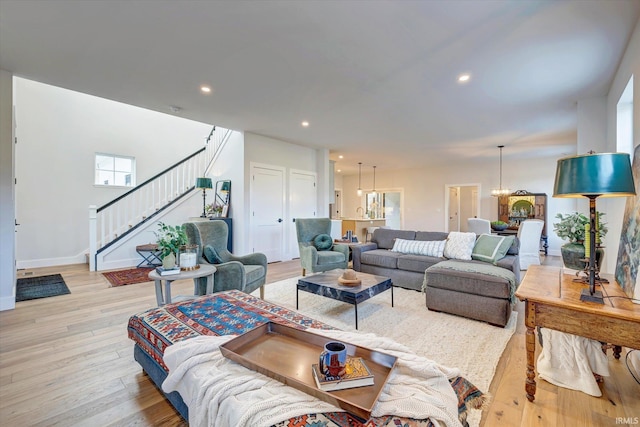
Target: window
115 170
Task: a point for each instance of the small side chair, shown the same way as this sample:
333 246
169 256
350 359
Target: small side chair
317 250
245 273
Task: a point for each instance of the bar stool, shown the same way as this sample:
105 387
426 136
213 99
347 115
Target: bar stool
369 234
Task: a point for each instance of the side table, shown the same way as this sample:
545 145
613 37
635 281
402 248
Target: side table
150 254
205 270
552 300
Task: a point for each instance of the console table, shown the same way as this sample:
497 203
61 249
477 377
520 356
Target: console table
552 300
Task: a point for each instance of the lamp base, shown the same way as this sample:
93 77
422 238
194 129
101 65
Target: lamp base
587 297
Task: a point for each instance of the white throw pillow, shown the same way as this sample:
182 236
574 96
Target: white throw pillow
434 248
460 245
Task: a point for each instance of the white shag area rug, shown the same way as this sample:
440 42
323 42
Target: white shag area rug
471 346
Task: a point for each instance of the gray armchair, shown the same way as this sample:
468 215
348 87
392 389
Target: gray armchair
245 273
312 259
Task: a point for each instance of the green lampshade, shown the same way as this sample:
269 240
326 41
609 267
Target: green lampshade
204 183
600 174
226 186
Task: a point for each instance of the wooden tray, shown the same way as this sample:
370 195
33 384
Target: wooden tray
286 354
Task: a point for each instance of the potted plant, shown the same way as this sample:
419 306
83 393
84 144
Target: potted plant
170 238
214 210
571 227
499 225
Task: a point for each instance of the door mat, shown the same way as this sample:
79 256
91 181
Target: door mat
128 277
29 288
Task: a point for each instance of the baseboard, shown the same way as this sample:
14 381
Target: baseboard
50 262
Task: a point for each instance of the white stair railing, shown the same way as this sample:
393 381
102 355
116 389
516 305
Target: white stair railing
114 220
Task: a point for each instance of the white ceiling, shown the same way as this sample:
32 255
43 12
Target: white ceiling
375 79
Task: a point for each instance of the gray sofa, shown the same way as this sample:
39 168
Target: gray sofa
473 289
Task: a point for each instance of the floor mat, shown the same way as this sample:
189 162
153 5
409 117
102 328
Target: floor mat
29 288
127 277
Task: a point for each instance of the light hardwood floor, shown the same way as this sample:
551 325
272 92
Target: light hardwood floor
67 361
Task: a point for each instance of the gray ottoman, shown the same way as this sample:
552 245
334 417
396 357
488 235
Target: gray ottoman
484 295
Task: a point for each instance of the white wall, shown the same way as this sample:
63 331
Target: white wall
59 131
630 65
227 166
7 195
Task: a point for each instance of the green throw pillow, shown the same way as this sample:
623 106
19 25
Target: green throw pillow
323 242
211 255
491 248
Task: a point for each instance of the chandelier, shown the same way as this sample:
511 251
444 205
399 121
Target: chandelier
498 192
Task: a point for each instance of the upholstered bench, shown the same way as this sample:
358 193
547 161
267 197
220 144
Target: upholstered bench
474 289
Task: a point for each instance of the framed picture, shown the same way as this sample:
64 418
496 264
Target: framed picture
225 211
628 266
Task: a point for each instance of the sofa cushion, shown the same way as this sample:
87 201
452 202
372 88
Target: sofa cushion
434 248
431 235
330 257
385 237
460 245
381 258
514 249
417 263
211 255
253 273
488 280
491 248
323 242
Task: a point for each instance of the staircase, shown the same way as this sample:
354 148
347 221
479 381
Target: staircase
112 223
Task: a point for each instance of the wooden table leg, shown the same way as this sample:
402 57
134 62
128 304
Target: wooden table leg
159 297
530 384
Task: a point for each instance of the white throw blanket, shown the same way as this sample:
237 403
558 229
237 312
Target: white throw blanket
220 392
570 361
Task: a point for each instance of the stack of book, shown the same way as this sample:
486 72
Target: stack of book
357 375
167 271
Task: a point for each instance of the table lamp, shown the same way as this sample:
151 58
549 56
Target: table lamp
204 183
594 175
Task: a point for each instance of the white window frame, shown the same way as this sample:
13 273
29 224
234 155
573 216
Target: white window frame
115 158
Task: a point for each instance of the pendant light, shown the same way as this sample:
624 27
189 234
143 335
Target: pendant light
374 181
498 192
359 178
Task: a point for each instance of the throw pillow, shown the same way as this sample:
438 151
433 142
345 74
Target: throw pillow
323 242
434 248
491 248
459 245
211 255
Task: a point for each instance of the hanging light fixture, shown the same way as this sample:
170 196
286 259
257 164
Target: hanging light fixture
359 178
497 192
374 181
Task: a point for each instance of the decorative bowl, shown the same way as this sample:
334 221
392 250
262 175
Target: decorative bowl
499 227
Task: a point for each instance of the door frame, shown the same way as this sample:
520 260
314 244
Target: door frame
446 200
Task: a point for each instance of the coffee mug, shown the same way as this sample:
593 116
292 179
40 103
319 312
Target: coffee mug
333 359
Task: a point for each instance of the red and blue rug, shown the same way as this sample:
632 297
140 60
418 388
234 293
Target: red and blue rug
127 277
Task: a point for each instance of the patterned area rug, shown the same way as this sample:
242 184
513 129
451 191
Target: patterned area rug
29 288
471 346
127 277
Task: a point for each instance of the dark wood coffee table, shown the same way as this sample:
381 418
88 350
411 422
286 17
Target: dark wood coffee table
327 285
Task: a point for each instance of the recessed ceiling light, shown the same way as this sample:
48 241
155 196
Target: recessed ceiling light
339 170
305 124
463 78
341 156
205 89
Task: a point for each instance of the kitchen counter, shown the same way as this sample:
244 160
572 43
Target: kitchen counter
359 226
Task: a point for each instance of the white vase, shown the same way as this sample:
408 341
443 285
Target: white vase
169 261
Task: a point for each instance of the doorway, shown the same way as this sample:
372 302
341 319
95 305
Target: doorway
462 201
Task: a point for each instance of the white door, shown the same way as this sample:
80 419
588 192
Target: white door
454 202
302 204
267 203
